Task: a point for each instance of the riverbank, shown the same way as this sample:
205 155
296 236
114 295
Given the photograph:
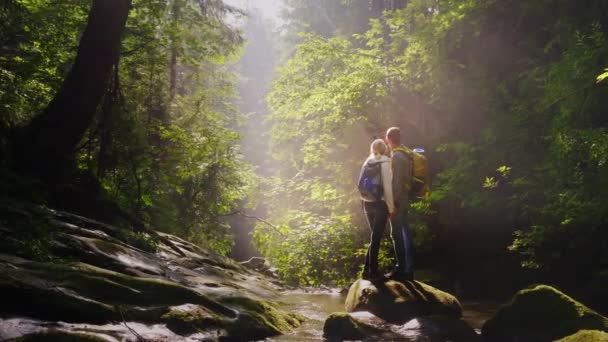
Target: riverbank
63 275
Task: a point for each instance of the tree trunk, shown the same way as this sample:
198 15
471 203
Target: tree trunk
52 137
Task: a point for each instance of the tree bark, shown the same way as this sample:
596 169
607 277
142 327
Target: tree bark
52 137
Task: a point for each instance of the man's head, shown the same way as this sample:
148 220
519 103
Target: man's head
393 137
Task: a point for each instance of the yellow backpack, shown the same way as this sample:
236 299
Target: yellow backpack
420 186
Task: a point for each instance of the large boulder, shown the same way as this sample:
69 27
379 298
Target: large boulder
258 319
342 326
586 336
365 326
541 313
398 302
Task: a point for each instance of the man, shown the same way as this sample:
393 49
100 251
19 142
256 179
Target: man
401 163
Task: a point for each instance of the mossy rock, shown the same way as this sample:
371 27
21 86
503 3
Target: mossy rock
119 257
23 294
541 313
116 282
78 292
398 302
258 319
60 336
586 336
342 326
189 318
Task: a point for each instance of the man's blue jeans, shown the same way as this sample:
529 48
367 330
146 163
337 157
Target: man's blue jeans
402 241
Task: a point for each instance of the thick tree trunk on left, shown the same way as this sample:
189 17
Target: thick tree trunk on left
53 136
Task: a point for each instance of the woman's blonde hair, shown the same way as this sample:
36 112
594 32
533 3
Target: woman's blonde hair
378 148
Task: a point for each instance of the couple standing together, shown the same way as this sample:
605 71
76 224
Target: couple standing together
396 171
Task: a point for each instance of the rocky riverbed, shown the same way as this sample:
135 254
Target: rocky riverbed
94 284
65 277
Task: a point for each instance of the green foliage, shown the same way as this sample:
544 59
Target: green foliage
140 240
163 144
319 104
568 223
602 76
29 236
541 119
502 94
316 251
39 40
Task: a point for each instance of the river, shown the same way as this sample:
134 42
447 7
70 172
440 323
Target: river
317 305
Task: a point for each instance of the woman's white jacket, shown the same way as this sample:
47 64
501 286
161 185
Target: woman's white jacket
387 179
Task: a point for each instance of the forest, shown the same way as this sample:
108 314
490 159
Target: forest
216 125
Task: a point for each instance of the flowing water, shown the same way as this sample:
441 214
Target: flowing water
317 305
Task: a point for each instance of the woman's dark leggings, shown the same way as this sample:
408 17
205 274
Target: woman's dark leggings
377 217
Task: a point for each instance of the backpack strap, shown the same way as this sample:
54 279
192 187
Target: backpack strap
409 153
376 164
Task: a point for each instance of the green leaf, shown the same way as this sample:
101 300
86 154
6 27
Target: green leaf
602 77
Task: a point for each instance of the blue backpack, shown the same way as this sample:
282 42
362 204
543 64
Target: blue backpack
370 182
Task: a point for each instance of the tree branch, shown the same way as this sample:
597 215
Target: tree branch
133 331
240 213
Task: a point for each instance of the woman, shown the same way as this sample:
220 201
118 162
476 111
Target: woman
377 211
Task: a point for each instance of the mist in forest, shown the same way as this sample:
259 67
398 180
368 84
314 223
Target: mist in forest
255 70
486 92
